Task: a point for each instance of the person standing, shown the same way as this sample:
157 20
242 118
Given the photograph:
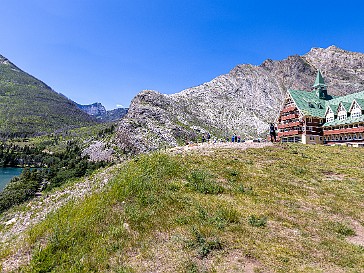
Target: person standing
272 132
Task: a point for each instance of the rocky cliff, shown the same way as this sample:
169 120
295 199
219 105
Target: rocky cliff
242 101
95 109
98 111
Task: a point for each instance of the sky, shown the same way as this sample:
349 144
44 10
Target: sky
109 50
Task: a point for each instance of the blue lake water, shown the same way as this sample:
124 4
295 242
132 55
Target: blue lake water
6 174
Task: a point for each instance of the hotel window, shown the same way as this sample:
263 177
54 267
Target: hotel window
342 117
355 114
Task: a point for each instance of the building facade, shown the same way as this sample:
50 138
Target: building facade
318 118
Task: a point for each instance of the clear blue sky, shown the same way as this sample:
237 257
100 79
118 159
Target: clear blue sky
108 50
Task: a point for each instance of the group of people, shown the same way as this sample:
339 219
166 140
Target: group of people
206 138
236 138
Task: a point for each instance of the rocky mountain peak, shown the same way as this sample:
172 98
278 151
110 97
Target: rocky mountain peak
242 101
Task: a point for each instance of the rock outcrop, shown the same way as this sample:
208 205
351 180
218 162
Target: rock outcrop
242 101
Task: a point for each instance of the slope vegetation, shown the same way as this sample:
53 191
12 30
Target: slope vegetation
286 208
28 106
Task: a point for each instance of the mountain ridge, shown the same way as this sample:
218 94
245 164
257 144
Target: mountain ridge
243 101
99 111
29 106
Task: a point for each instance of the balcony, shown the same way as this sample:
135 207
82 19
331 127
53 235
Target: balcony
289 109
291 116
344 131
289 133
289 125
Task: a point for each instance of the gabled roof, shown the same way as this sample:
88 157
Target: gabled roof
332 107
345 104
361 103
308 103
348 98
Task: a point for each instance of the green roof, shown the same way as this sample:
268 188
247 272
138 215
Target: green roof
361 103
346 105
348 98
319 80
308 103
333 107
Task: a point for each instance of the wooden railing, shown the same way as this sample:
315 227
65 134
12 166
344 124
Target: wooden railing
291 116
344 131
289 133
289 109
289 125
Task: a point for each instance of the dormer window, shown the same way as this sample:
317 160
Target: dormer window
342 116
355 110
330 116
342 113
356 114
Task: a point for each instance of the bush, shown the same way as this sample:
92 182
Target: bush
201 182
257 221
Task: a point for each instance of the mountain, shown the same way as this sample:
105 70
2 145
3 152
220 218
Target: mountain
243 101
29 106
98 111
114 115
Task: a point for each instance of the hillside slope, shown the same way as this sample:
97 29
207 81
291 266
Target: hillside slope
28 106
243 101
286 208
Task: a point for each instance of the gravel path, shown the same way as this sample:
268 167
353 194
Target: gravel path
219 145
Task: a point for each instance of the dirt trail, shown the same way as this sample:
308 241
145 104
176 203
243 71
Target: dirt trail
219 145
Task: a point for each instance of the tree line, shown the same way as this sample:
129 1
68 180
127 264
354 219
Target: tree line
48 170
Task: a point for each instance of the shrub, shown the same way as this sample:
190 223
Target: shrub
201 182
344 230
257 221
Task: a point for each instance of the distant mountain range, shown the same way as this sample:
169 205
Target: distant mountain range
28 106
243 101
98 111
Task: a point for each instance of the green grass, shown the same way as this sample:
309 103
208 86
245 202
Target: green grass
286 208
29 107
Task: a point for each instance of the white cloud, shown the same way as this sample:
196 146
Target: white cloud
120 106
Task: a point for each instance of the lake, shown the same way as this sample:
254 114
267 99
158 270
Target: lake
6 174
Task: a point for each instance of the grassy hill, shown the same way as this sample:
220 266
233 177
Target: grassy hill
28 106
286 208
